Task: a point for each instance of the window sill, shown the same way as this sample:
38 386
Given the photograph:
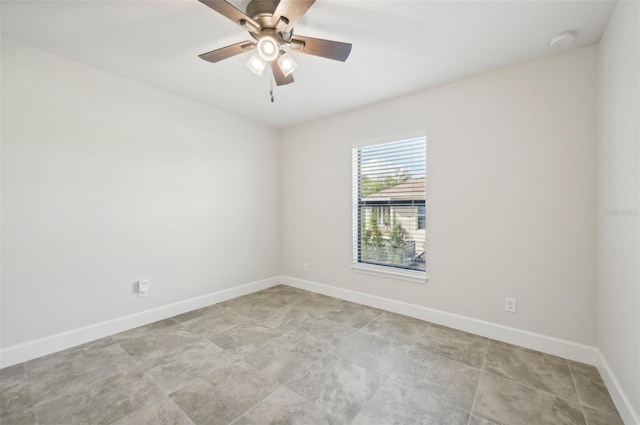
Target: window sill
408 275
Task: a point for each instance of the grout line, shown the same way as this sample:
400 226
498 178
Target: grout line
575 386
284 385
330 351
31 395
532 387
372 320
138 366
484 360
384 381
151 403
361 330
280 386
311 364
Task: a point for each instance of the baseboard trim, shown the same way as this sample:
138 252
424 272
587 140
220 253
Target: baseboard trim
619 396
532 340
551 345
51 344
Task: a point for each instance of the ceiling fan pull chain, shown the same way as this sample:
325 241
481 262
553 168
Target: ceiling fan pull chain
271 91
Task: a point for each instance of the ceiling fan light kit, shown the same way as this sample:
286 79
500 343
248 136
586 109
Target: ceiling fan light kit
256 64
287 64
268 48
270 23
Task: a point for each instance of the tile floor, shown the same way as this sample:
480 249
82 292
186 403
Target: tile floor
286 356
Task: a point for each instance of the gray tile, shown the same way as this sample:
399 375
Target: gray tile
245 337
102 403
224 395
591 388
144 330
284 317
17 372
79 374
243 420
15 394
271 301
277 288
320 341
373 352
506 401
286 407
283 357
317 304
398 404
244 299
325 333
475 420
337 386
259 309
28 417
533 368
165 412
196 357
213 322
451 382
353 314
174 370
233 303
456 345
70 354
596 417
289 295
287 290
397 327
204 311
159 343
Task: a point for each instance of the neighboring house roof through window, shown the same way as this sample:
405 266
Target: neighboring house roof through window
413 189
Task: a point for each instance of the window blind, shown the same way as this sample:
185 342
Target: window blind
389 208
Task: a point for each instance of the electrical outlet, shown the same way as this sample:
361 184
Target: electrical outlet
305 267
510 304
143 288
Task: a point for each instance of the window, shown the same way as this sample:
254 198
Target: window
383 216
421 218
389 210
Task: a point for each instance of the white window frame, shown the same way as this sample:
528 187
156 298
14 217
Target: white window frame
415 276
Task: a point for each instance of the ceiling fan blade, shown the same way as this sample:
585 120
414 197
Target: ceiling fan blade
227 52
335 50
292 10
278 75
225 8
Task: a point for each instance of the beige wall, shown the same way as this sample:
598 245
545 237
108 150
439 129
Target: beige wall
106 181
619 189
511 195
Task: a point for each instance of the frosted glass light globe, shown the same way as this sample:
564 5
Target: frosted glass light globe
268 48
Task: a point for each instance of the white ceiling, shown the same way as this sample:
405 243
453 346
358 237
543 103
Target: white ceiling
399 47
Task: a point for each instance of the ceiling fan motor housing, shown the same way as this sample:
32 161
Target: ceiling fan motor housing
261 11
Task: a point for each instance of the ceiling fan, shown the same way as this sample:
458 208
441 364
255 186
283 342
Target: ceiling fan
270 23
